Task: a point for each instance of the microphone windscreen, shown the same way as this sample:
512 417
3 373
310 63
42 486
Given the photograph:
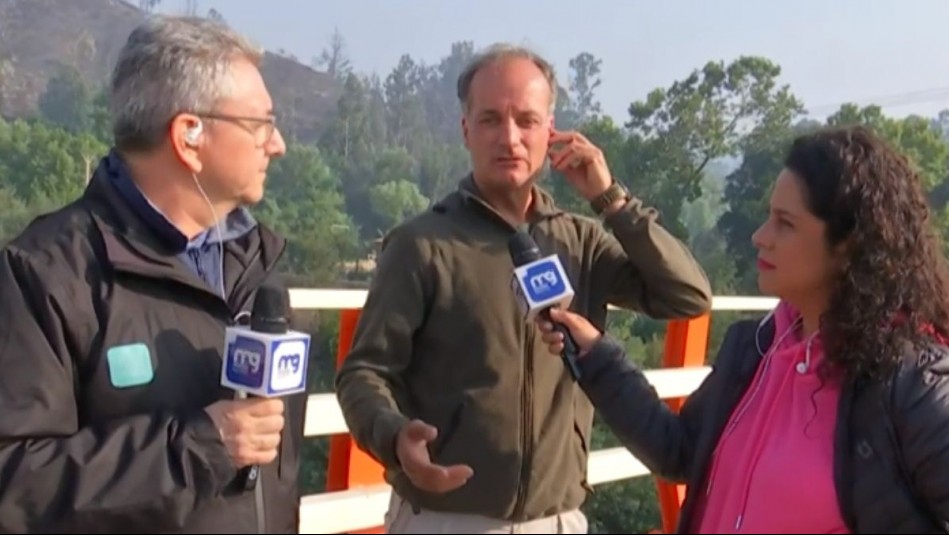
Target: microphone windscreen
270 310
523 248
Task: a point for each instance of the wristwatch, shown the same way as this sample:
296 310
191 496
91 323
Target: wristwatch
615 192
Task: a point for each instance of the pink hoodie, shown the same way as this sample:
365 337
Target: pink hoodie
773 470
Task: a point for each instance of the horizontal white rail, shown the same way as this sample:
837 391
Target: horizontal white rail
324 417
365 507
335 299
738 302
345 510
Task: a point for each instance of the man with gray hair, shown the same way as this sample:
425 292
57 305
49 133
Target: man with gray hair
115 306
479 430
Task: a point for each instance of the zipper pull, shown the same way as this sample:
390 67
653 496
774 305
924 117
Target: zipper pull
738 521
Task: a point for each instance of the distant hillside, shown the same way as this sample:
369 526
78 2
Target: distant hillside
37 35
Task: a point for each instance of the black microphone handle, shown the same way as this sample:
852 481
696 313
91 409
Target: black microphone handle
250 474
571 352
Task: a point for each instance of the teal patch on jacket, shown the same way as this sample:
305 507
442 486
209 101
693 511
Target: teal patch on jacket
130 365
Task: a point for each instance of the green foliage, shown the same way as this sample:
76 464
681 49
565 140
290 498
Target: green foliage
396 200
676 132
304 203
44 165
67 101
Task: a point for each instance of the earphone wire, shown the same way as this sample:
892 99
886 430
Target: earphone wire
220 235
767 357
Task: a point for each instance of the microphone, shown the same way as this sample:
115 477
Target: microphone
540 283
267 359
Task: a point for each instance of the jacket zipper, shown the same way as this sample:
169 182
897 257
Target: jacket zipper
240 280
259 499
259 487
527 387
527 431
527 415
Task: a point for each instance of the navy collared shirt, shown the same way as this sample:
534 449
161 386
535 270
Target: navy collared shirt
203 253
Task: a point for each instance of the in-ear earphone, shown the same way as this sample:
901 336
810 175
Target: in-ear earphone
191 136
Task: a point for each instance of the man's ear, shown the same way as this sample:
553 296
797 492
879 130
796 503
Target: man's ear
464 130
186 135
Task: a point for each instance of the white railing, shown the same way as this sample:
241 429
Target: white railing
363 508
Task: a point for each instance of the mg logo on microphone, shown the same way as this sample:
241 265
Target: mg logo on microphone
245 362
288 369
289 364
542 281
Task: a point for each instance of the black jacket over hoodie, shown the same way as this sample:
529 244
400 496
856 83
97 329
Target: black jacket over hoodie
110 348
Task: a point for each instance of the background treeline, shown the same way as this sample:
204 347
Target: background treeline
704 149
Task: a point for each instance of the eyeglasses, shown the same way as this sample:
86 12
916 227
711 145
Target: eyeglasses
262 129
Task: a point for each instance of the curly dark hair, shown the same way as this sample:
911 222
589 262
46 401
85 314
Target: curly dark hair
894 287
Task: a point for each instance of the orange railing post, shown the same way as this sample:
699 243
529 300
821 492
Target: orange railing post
686 345
349 466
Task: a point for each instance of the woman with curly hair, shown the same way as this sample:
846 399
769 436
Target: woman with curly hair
831 414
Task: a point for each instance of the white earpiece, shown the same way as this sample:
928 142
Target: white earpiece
191 136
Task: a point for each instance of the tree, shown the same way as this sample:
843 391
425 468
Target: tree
45 165
351 135
216 16
566 116
405 110
304 202
396 200
441 166
15 215
917 137
707 242
334 58
941 123
6 79
67 101
676 132
584 80
439 93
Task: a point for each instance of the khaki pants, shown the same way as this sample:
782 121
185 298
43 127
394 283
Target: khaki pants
400 518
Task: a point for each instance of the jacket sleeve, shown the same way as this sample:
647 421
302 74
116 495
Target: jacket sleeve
145 472
921 400
369 384
643 267
665 442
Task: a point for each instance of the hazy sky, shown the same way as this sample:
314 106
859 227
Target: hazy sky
830 51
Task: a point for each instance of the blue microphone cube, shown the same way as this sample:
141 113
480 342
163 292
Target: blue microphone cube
265 365
541 284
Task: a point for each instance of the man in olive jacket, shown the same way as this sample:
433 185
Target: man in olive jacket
447 385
